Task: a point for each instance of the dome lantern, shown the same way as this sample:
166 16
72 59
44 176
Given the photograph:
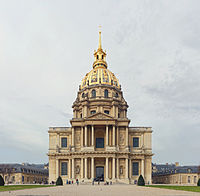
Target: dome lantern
100 55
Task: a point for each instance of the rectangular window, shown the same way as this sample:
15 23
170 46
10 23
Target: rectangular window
64 168
188 179
99 142
135 169
195 179
135 141
64 142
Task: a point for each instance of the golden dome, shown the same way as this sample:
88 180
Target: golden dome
100 74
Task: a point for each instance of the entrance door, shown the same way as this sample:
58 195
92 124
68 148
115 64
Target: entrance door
100 173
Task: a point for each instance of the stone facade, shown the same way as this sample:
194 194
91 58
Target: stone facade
176 178
100 144
23 174
175 174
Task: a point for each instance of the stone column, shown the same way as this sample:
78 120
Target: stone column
92 135
70 168
92 168
127 136
113 169
82 168
116 112
117 173
82 138
142 167
130 168
57 168
73 168
85 168
72 136
106 135
86 135
113 135
117 140
58 140
106 168
126 171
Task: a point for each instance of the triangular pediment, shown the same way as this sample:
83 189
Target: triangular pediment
100 115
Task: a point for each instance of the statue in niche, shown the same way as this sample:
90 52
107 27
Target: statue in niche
121 170
77 169
121 138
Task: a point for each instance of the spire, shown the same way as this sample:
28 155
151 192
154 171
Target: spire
100 55
99 37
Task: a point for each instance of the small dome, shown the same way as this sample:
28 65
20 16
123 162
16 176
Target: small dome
100 75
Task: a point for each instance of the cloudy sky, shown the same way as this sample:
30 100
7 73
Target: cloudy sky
46 48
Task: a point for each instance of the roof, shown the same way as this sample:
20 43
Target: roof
27 168
164 169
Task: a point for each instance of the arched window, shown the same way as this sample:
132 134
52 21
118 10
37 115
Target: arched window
106 111
83 95
93 112
118 115
93 93
106 93
102 57
97 56
116 95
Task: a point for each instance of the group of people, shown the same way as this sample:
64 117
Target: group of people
106 183
77 182
72 182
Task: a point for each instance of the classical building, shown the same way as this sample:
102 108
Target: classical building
175 174
24 173
100 144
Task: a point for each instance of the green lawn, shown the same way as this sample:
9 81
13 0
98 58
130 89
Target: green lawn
20 187
182 188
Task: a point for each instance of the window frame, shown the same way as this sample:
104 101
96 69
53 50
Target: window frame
63 146
62 169
137 171
106 92
138 142
93 93
189 179
93 112
97 142
106 111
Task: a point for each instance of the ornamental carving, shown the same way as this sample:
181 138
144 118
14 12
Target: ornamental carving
121 138
77 169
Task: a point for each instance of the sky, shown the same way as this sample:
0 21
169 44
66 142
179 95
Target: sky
46 48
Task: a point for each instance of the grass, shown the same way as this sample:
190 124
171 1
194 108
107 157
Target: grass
20 187
181 188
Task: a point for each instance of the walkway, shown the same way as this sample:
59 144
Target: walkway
98 190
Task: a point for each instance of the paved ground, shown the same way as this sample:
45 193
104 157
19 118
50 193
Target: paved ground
97 190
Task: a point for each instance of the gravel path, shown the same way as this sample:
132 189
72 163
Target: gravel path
98 190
